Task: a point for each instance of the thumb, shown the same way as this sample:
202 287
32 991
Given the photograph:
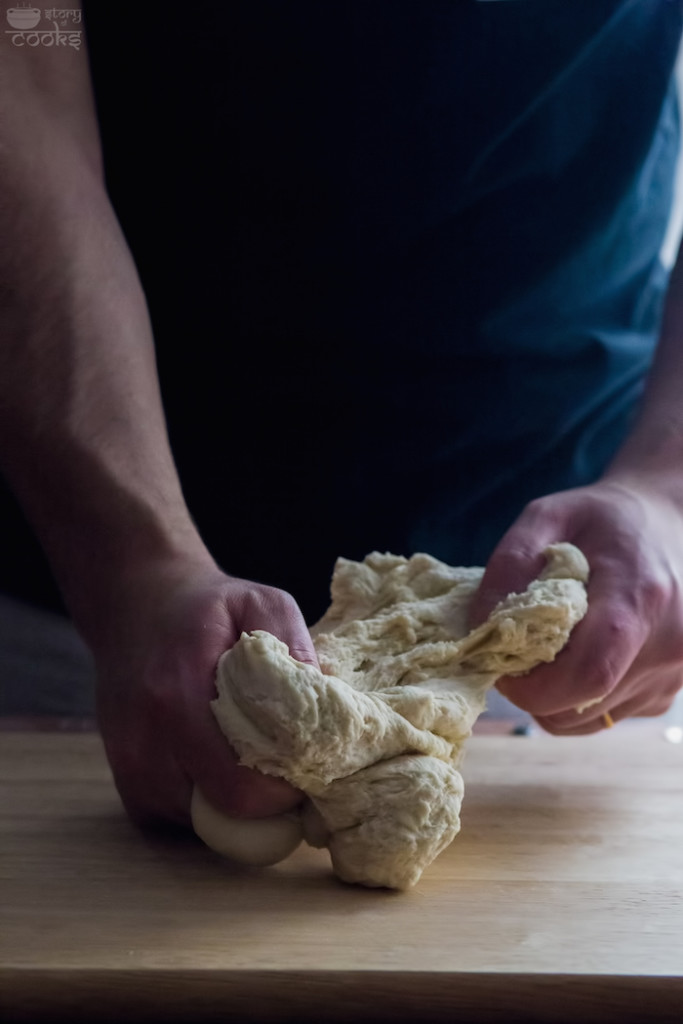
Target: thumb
278 613
291 628
515 562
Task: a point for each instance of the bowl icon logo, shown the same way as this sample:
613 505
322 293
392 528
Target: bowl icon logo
23 17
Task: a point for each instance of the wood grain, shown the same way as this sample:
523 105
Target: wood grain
561 897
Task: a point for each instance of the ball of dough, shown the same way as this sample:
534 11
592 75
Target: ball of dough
257 841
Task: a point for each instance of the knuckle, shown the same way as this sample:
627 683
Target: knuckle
602 677
619 622
548 511
655 708
539 508
655 595
273 603
622 633
517 546
286 603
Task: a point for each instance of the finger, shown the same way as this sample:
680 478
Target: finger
578 728
212 764
154 790
301 651
600 652
516 561
564 725
277 612
646 705
650 695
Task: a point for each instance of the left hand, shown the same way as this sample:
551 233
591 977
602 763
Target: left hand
164 625
628 650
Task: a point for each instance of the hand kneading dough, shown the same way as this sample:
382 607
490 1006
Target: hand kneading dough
376 737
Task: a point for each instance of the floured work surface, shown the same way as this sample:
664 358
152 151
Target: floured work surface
562 899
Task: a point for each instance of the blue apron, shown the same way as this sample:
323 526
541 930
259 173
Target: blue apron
402 258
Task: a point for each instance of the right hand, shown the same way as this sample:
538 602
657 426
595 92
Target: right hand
626 656
156 662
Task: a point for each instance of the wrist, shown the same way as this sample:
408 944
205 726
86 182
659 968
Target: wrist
99 520
652 461
103 586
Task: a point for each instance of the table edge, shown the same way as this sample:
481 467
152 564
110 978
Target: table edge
102 995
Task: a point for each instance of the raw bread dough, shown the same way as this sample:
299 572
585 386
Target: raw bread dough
258 841
376 737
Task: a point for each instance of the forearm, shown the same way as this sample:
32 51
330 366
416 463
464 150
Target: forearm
654 449
82 434
625 658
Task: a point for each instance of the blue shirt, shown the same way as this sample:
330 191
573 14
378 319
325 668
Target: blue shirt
402 258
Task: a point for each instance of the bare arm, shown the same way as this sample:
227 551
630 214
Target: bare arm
627 654
655 447
83 444
82 433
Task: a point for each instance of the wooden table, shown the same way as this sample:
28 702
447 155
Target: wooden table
562 899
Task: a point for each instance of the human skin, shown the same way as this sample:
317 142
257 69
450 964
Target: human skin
83 444
628 651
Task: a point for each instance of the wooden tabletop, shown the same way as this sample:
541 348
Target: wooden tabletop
561 899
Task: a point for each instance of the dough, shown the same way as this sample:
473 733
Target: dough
259 841
376 736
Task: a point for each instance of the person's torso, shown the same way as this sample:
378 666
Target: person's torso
387 243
